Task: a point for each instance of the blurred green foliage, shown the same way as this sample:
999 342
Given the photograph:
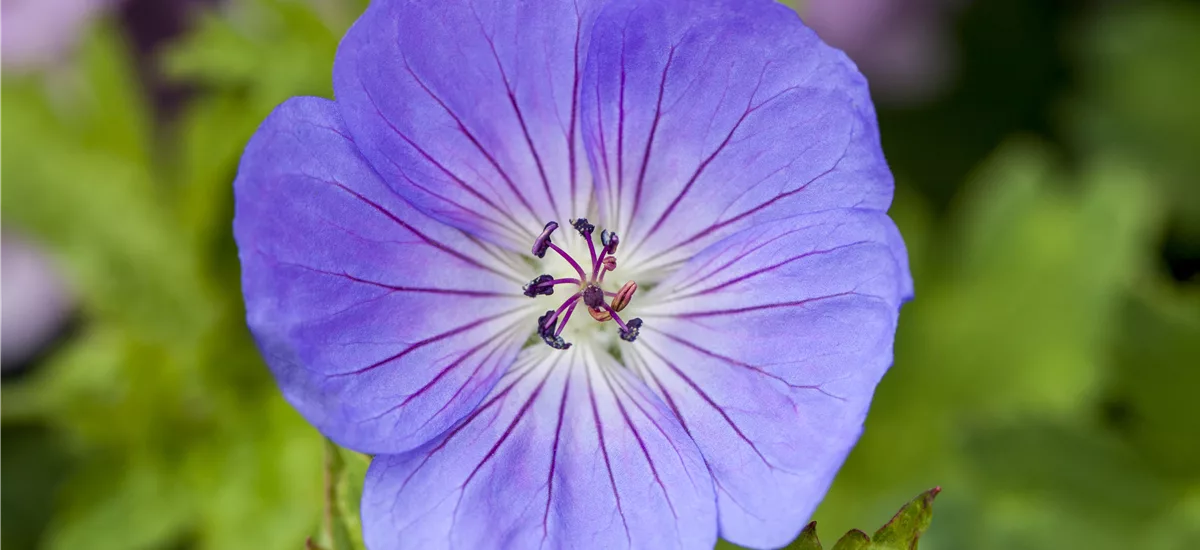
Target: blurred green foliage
1046 375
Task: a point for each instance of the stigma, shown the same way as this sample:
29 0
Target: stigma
588 285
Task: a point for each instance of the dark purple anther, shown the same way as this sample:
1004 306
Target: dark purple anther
583 227
632 328
546 324
546 330
539 286
542 243
593 297
610 241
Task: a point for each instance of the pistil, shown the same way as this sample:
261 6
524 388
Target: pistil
590 292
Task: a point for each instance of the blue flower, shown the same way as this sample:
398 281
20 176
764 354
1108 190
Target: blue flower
703 177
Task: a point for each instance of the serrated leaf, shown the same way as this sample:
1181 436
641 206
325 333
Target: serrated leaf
854 540
808 538
907 526
900 533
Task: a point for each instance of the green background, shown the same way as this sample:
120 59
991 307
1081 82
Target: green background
1047 376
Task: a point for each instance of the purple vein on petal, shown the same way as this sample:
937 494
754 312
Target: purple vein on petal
719 409
420 235
511 426
624 385
574 106
432 339
754 368
764 270
638 436
471 137
396 288
720 225
602 150
499 396
604 450
507 432
518 233
644 366
512 99
500 256
462 358
620 133
442 168
773 305
750 108
662 87
740 256
473 377
562 407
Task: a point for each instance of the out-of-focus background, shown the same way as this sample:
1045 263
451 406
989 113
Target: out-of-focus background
1047 376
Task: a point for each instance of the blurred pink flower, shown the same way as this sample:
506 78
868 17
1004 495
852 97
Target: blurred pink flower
39 32
904 47
37 302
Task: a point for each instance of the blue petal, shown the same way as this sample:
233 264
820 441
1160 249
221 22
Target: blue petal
701 118
382 326
768 346
468 108
569 451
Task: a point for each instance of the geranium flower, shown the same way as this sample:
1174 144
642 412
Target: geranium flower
703 179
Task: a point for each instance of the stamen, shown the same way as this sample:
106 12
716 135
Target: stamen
539 287
569 259
566 317
628 331
624 296
547 325
542 242
549 322
584 228
551 325
543 285
632 330
610 241
599 314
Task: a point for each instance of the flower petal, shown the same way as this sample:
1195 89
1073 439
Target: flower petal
383 327
569 451
703 117
768 346
468 109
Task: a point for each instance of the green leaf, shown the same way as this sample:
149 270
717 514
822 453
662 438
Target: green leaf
853 540
1154 386
121 504
79 181
808 538
907 526
900 533
1138 72
258 480
264 50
